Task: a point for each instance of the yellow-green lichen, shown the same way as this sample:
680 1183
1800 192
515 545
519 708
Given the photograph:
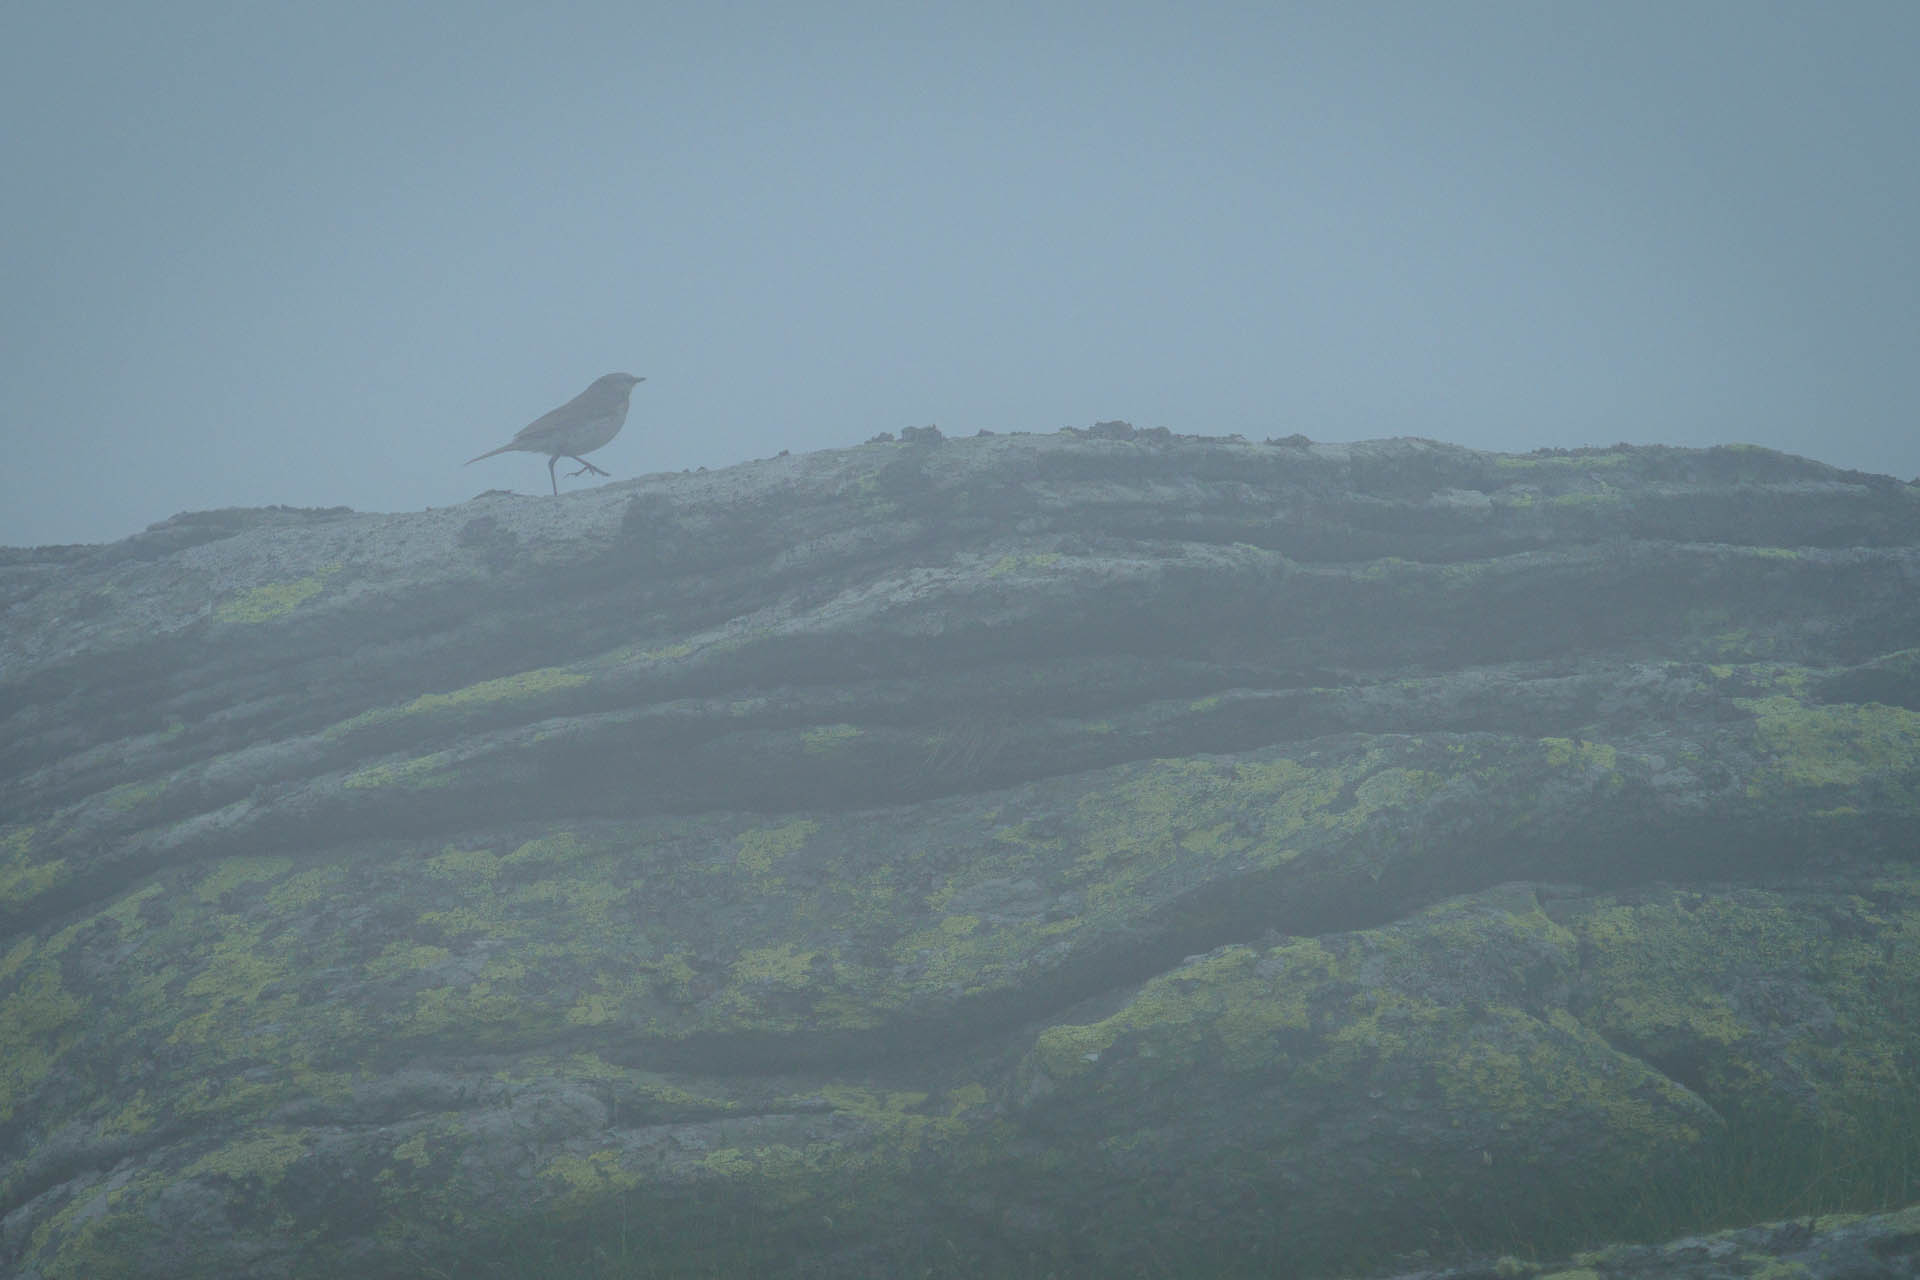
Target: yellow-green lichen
729 1162
1510 1065
414 1150
130 795
491 1002
593 1009
1393 787
125 912
39 1021
585 1180
259 604
828 737
17 955
558 849
761 847
135 1117
303 890
514 688
417 774
21 878
1839 745
231 873
1224 1009
1175 807
1524 462
402 958
265 1156
1015 562
777 966
480 865
227 989
1565 752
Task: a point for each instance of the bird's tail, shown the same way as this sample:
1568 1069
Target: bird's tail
488 454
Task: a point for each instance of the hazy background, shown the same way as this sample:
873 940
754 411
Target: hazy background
321 254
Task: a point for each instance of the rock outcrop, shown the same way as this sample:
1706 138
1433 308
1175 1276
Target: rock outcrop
1102 853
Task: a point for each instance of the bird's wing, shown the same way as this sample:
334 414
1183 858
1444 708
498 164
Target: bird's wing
542 427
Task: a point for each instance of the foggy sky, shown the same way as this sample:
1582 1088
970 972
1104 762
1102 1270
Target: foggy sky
322 254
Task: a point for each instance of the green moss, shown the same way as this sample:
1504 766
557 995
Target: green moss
273 600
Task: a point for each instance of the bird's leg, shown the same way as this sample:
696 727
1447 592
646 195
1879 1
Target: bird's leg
585 467
556 482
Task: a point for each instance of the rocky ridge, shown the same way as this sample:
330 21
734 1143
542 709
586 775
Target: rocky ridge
1078 850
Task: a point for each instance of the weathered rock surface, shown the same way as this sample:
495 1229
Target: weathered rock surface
1095 852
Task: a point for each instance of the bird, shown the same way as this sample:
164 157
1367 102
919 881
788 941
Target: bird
579 426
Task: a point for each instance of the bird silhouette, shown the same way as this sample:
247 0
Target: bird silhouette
579 426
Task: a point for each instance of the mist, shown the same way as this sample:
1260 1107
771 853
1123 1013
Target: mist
322 255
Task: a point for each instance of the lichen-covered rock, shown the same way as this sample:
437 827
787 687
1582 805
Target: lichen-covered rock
1085 854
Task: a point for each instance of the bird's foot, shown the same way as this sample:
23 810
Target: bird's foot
585 467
